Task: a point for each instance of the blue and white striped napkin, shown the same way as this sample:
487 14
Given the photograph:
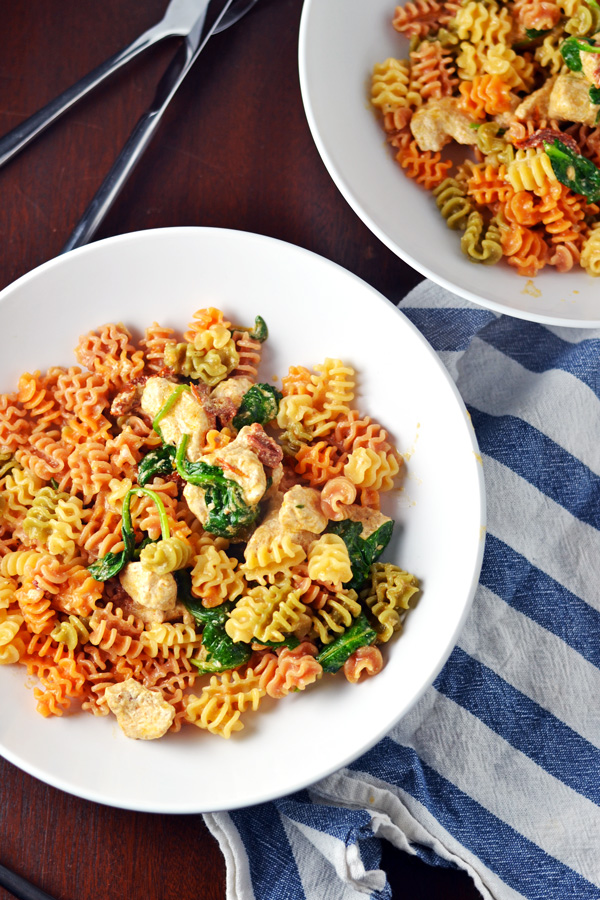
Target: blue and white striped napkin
497 768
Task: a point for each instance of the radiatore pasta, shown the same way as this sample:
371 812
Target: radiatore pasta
180 541
517 86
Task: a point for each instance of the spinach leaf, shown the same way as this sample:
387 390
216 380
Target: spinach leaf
291 642
199 473
534 33
573 170
362 552
112 563
260 332
229 514
202 615
218 652
595 95
570 51
157 462
360 634
147 540
259 404
108 565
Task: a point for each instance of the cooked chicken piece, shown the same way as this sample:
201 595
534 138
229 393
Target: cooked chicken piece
440 121
590 64
232 389
301 510
240 463
141 713
194 497
569 99
370 519
268 529
272 528
154 596
537 103
186 416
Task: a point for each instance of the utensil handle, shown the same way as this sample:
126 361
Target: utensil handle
114 181
13 142
20 888
140 136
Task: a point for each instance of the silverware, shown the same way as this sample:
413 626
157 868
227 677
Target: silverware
181 16
148 123
21 888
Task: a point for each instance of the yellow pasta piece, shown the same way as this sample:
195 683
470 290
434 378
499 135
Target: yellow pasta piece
328 561
530 170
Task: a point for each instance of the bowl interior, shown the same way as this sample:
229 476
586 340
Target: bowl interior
313 309
340 41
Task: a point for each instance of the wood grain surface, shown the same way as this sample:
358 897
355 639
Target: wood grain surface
233 151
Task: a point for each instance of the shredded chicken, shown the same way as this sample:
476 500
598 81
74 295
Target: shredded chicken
154 596
241 464
569 100
301 510
233 388
370 519
438 122
186 416
141 713
537 103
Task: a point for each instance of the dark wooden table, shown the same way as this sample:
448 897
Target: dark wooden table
234 151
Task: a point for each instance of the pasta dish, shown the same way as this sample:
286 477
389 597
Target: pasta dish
180 540
516 85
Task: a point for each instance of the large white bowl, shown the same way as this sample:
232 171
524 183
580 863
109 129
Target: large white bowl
340 41
313 309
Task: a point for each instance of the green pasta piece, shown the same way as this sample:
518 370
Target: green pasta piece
453 203
478 246
208 365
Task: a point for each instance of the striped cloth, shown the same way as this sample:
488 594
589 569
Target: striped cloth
497 768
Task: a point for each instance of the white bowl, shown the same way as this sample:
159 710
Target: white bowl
313 309
340 41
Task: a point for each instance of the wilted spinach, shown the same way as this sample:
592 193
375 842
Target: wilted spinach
259 404
228 513
363 552
570 51
113 563
359 634
158 462
573 170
